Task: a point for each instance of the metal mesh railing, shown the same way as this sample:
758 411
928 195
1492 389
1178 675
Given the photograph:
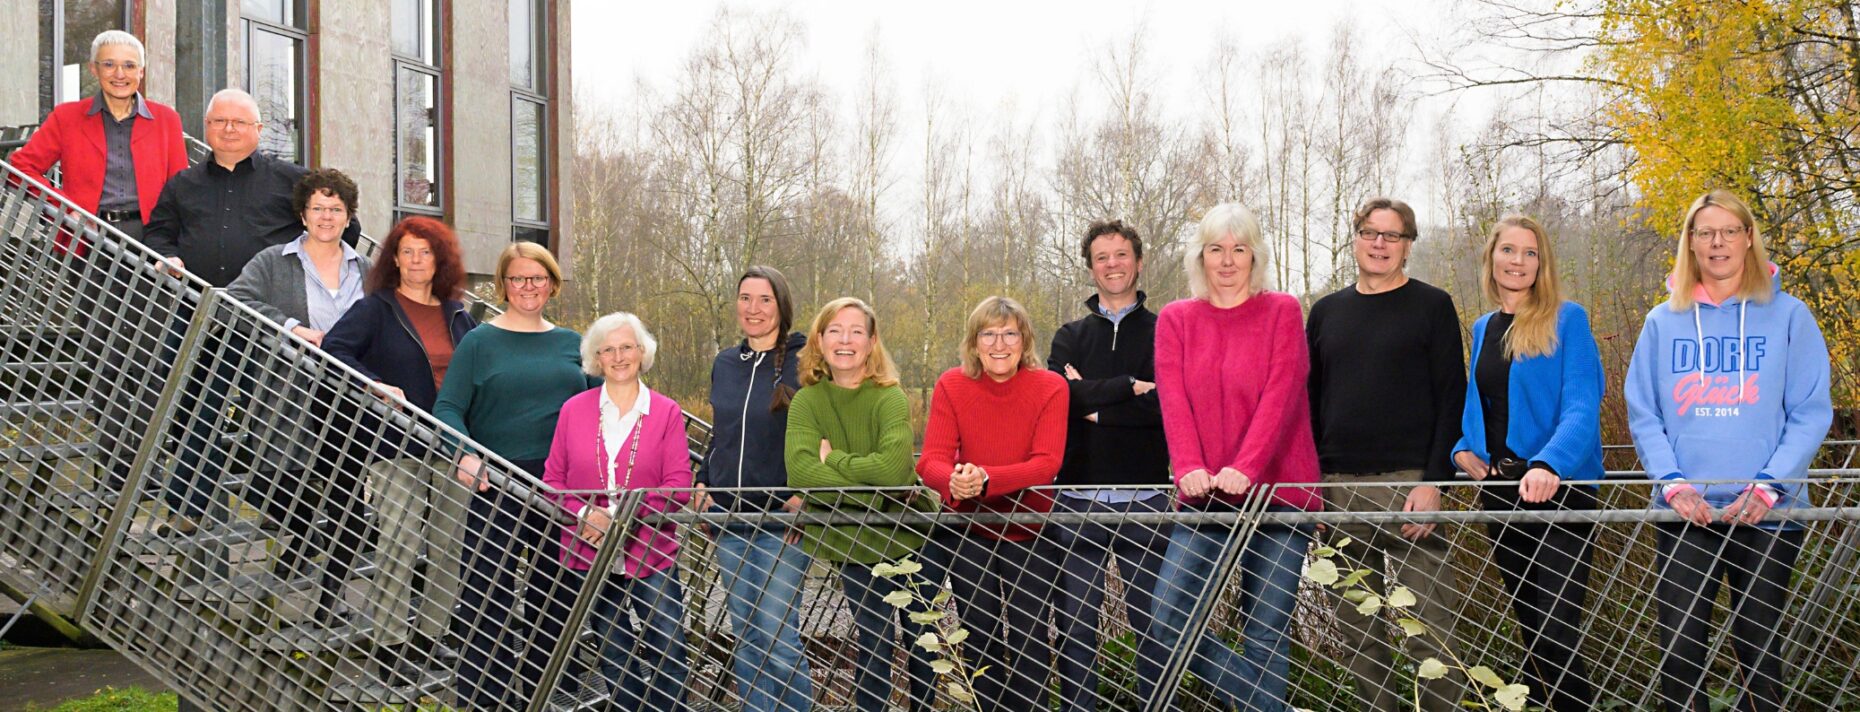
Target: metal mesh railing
232 510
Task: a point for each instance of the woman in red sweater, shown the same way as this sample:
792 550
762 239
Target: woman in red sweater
1230 371
998 427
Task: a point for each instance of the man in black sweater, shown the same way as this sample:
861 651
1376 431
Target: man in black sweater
1387 384
1114 441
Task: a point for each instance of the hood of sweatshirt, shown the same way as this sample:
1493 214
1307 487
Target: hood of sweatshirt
1736 389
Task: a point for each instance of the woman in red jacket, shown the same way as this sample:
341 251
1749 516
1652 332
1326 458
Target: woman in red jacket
998 427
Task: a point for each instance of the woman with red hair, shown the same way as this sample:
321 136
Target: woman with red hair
401 337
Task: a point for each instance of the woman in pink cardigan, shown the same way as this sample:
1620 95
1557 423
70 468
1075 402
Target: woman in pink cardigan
617 437
1230 372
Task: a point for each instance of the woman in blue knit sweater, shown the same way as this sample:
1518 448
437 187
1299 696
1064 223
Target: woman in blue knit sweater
1532 423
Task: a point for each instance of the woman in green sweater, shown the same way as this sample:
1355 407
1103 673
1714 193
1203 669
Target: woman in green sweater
849 427
504 388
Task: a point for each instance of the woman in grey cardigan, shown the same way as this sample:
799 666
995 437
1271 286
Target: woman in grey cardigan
306 285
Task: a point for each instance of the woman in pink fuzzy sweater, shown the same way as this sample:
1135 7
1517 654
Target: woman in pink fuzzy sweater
1230 372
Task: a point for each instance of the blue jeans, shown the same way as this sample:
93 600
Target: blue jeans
1084 550
876 622
646 672
1269 567
763 576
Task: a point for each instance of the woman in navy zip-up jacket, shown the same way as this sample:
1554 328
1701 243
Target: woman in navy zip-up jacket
1533 420
761 564
401 337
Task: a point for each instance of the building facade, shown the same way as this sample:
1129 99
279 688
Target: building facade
454 109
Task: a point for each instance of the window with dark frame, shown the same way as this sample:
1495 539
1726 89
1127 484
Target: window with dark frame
66 28
529 122
418 145
275 72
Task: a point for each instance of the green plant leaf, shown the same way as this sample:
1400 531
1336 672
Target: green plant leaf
926 617
942 598
1322 571
929 643
959 635
1346 541
909 566
978 672
899 598
958 692
1512 697
883 570
942 667
1354 578
1431 669
1324 552
1411 627
1486 677
1356 595
1401 597
1370 605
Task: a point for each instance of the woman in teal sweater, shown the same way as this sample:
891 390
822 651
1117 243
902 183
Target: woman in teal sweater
849 427
506 385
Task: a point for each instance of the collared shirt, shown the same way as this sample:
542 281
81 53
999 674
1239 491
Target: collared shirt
327 303
615 427
1116 315
216 220
119 173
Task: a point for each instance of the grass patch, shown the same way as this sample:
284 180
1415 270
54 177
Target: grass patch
110 699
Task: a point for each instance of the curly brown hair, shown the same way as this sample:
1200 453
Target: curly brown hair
327 181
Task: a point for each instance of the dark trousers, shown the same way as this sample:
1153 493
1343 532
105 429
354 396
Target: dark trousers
1545 568
296 499
1002 589
125 347
877 624
501 535
200 412
1756 564
1084 552
645 671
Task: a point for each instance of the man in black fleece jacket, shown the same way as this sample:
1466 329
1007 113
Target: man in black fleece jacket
1114 439
1388 380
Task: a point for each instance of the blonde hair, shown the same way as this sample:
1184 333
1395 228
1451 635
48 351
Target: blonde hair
997 310
879 368
1533 329
1755 285
528 251
1223 220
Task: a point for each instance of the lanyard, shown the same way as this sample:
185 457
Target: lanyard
632 455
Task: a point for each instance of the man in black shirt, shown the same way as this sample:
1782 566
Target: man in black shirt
211 219
214 216
1388 379
1114 439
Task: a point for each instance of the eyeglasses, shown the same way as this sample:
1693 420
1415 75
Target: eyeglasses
515 282
1005 337
621 350
110 67
240 124
322 210
1706 235
1368 235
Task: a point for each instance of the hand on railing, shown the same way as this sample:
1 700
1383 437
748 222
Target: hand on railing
594 524
794 505
471 473
967 481
1748 508
1195 484
1538 485
308 334
1472 465
1691 506
1425 498
1232 482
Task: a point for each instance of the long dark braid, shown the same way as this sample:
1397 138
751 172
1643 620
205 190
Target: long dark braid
784 304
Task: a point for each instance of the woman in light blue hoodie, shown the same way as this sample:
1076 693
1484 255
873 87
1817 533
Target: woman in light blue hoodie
1533 421
1729 381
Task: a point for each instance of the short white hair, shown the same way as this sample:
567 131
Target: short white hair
1223 220
602 327
117 38
237 95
